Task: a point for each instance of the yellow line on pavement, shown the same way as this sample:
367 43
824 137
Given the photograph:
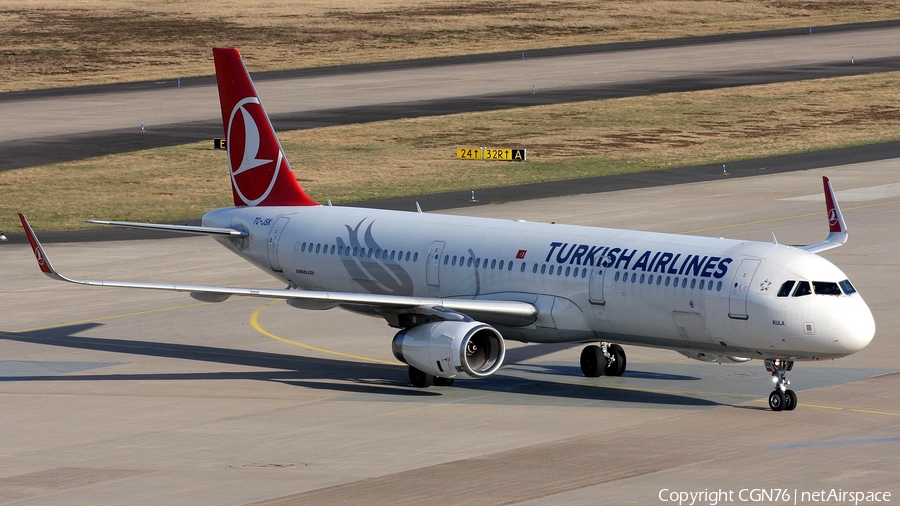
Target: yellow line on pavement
254 322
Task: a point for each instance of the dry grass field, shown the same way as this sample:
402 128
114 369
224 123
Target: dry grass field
404 157
55 43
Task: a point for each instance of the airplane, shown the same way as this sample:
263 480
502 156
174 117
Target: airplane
458 287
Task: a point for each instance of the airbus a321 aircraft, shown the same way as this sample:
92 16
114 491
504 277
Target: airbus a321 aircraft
458 287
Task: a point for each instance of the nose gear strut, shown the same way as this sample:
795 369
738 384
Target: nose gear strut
782 398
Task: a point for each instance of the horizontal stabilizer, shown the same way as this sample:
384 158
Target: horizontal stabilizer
184 229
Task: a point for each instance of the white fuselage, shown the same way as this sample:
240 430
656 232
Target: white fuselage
703 296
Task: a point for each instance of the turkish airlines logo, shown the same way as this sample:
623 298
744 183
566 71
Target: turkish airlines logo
254 165
832 217
39 255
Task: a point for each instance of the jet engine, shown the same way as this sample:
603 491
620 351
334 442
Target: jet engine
706 357
447 348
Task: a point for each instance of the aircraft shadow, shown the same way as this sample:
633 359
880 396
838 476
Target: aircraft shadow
321 373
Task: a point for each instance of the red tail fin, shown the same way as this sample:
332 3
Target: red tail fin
260 173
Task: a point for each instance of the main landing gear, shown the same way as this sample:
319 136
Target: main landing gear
606 359
782 398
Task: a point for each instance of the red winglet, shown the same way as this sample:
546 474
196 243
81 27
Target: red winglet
260 173
835 218
42 260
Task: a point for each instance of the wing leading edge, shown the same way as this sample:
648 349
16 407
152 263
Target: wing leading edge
511 313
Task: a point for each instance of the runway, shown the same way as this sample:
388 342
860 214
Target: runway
110 394
46 127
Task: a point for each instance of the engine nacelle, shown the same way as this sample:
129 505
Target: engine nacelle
447 348
706 357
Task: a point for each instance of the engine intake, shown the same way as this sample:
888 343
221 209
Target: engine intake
448 348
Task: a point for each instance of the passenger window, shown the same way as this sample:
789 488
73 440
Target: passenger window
509 266
633 277
543 268
785 289
702 282
802 289
693 284
826 288
642 278
568 270
393 253
668 280
494 264
415 257
534 269
617 275
378 253
469 262
407 256
847 287
523 267
501 265
446 259
719 286
659 280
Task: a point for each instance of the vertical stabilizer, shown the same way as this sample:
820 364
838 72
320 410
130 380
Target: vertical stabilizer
260 173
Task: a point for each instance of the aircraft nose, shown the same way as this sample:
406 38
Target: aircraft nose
853 327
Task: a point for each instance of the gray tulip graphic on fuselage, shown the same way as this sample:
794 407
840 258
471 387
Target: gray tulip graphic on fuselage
372 267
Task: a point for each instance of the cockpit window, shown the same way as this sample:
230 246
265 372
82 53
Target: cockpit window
826 288
785 289
847 287
802 289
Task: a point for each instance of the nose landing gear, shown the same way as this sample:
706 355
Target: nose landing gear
782 398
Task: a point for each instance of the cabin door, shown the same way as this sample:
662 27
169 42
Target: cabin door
740 288
433 264
274 237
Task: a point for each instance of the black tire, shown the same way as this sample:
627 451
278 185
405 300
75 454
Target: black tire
442 382
790 400
593 362
776 400
617 366
420 379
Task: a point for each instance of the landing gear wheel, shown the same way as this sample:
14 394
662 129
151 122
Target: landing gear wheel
442 382
790 400
776 400
593 361
420 379
616 366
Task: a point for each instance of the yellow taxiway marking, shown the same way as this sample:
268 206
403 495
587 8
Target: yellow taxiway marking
839 408
254 322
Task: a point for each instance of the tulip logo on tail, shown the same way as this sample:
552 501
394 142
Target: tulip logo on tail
254 165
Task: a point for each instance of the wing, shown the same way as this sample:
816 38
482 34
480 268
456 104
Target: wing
837 229
512 313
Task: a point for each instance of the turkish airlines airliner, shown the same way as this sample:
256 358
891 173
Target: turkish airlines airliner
458 287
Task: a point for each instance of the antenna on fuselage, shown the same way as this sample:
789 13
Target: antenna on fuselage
774 240
418 208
